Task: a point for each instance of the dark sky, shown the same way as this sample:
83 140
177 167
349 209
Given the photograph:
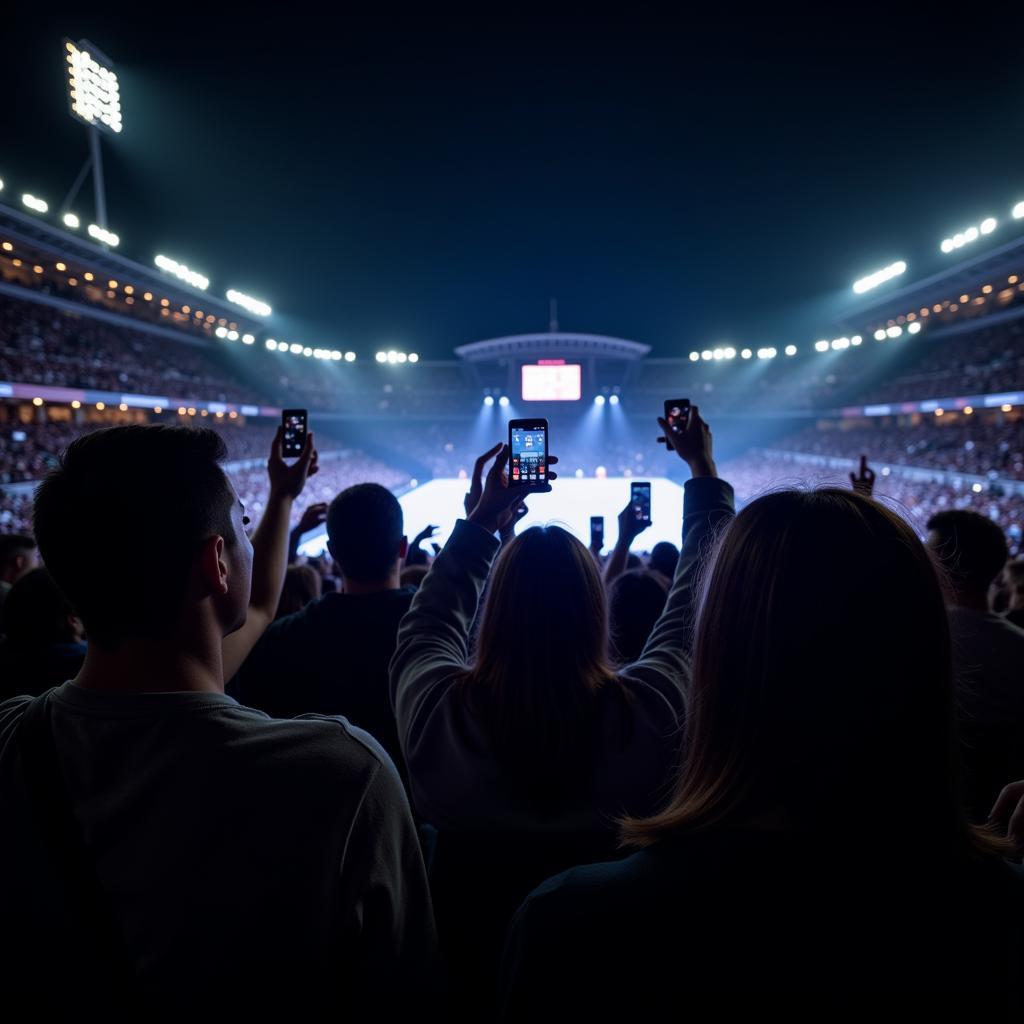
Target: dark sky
423 182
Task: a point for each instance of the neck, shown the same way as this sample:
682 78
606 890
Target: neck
160 665
974 602
390 582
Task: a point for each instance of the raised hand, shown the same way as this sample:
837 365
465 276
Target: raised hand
692 443
312 517
498 498
863 481
425 534
476 486
507 523
287 481
629 526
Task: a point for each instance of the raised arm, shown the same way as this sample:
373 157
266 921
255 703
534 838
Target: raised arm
629 529
270 550
707 502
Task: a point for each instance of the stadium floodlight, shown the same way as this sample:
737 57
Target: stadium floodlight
968 235
232 335
350 357
180 271
488 400
1 184
271 344
865 284
766 353
103 235
93 89
880 334
706 354
856 339
821 346
295 348
401 357
730 353
914 328
791 350
1018 211
382 357
414 357
255 306
503 401
307 352
336 355
894 331
613 400
248 339
598 399
746 353
718 353
34 202
840 343
71 220
694 357
392 356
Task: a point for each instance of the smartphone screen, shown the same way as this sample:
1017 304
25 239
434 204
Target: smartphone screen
597 532
294 423
640 499
528 448
677 412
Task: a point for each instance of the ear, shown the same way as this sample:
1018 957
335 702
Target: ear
75 627
213 567
403 547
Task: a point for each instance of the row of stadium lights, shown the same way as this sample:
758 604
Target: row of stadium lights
123 407
951 306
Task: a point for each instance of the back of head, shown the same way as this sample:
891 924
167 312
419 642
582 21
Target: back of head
36 614
365 532
542 652
121 521
664 557
301 585
971 546
635 601
822 688
17 552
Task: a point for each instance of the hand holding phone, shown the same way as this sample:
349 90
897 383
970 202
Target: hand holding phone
640 500
677 415
294 424
596 533
528 448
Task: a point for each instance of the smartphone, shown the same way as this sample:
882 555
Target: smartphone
528 454
294 423
677 412
640 499
596 533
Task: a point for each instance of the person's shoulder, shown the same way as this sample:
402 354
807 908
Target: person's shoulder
11 710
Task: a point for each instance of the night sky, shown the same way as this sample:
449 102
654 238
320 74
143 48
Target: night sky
424 182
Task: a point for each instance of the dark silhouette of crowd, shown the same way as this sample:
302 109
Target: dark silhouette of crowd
778 768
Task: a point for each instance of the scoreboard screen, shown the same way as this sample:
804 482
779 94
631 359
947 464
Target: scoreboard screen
551 382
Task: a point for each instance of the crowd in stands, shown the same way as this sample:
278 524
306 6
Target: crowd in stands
483 777
977 444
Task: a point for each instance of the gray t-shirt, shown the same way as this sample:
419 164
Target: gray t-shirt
251 863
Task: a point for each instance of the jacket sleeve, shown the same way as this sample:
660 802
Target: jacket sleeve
664 663
433 644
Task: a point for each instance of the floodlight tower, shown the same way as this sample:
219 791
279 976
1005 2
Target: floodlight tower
94 98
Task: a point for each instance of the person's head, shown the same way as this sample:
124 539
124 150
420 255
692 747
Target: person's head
18 555
36 614
301 585
144 534
1011 586
664 557
635 601
973 550
822 680
365 535
541 653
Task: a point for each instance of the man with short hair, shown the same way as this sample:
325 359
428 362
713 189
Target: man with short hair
988 655
18 556
229 862
332 656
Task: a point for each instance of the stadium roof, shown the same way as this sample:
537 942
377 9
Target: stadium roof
553 345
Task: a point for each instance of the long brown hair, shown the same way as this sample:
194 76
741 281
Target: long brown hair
822 680
541 655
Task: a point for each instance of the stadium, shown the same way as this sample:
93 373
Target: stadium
641 634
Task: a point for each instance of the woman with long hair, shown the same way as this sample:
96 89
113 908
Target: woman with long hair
815 852
524 753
